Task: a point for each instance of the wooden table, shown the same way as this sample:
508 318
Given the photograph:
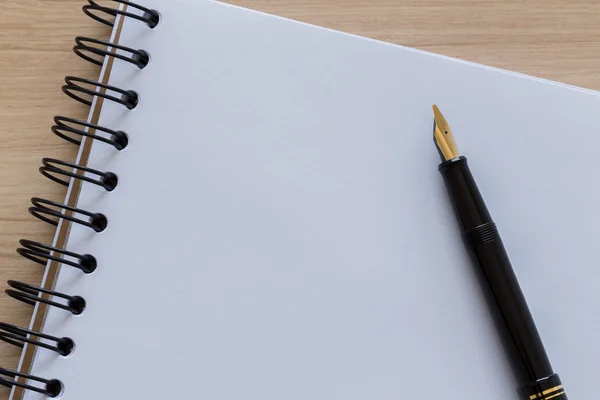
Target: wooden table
554 39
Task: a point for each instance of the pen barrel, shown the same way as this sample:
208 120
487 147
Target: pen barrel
499 282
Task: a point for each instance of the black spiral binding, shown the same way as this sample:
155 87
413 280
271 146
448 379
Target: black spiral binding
150 17
52 387
52 167
139 58
62 172
65 127
30 294
42 253
75 86
19 336
47 209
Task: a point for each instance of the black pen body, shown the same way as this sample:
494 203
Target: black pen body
499 282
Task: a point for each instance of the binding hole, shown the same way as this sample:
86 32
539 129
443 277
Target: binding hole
109 181
142 58
120 140
88 263
77 305
132 99
66 346
54 388
153 18
99 222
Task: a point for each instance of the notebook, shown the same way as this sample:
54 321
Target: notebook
274 225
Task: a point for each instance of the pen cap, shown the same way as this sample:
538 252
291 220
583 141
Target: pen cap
468 203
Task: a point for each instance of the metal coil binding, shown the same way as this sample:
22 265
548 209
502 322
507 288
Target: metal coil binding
62 172
74 86
30 294
52 167
150 17
42 253
47 209
19 336
52 387
85 45
65 127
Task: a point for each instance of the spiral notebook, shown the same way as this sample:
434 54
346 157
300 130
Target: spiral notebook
255 212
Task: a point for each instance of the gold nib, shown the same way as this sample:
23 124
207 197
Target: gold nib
442 136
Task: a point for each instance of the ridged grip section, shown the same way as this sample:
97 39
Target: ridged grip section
483 234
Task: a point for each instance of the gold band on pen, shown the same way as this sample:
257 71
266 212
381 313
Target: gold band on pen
555 395
545 392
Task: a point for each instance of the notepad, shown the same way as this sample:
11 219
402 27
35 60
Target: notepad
279 229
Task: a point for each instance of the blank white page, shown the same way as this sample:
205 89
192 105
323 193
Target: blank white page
280 229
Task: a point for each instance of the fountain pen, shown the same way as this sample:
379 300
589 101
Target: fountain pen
505 299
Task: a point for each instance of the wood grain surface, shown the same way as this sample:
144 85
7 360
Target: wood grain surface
554 39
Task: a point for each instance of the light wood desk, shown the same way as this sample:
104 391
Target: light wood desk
554 39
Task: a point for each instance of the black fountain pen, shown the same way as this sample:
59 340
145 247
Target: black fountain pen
505 298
